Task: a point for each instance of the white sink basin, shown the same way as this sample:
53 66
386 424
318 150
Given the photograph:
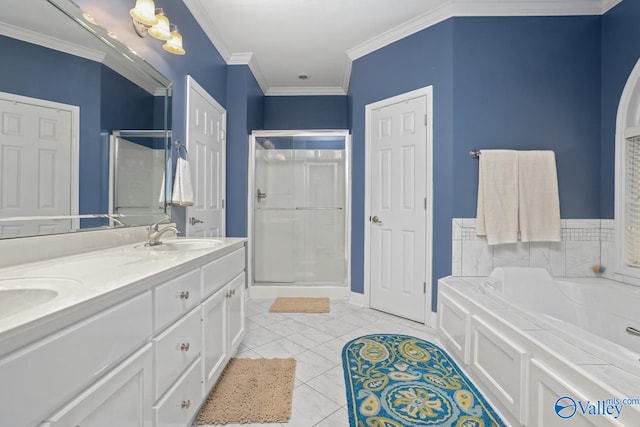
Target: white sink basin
24 293
13 301
178 245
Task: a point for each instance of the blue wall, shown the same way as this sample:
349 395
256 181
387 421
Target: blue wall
620 52
202 60
106 100
529 83
245 113
520 83
422 59
305 112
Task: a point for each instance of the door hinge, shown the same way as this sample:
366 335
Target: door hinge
426 120
425 203
222 135
222 203
424 287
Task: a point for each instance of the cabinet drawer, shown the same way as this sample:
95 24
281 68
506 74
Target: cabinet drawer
175 298
179 406
176 348
121 398
45 375
217 273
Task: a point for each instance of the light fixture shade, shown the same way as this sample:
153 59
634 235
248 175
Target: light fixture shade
161 30
174 44
144 12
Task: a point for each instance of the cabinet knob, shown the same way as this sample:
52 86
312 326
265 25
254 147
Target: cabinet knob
184 346
184 295
185 404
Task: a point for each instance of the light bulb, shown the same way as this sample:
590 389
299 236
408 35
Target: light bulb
174 44
144 12
161 30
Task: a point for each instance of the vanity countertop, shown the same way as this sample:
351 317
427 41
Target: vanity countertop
89 282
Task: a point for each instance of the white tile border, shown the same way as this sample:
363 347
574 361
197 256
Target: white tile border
583 241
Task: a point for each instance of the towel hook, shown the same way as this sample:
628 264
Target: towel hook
180 145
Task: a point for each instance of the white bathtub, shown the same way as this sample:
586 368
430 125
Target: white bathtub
529 339
577 309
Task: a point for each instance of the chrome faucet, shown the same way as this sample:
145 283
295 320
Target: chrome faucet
155 233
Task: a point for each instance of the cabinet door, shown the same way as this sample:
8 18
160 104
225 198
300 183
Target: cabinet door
122 398
236 313
214 314
175 349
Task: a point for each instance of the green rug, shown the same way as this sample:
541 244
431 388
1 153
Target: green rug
403 381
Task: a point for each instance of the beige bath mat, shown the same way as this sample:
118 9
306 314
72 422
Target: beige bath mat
251 391
300 305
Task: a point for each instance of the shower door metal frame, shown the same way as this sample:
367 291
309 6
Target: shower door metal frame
265 291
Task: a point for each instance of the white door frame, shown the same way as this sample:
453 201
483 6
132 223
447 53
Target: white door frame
369 108
193 84
75 145
335 292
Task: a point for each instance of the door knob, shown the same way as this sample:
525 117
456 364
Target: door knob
261 195
193 221
375 220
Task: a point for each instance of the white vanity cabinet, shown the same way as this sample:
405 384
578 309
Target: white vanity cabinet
38 379
222 314
122 398
138 360
224 308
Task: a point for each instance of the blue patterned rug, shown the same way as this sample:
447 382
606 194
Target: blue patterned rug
403 381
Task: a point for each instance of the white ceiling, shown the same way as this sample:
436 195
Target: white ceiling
280 39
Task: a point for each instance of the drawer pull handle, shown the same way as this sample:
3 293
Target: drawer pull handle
184 346
185 404
184 295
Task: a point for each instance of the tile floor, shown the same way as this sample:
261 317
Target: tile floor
316 341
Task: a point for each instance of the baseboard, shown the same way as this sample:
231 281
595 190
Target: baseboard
356 299
270 292
433 320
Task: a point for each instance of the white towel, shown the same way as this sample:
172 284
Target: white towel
497 213
539 199
182 189
162 201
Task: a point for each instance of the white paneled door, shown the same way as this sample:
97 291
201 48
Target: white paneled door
38 165
206 147
398 135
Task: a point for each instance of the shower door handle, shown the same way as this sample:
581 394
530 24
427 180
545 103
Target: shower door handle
261 195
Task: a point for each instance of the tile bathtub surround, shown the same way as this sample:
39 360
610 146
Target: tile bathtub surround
316 341
574 256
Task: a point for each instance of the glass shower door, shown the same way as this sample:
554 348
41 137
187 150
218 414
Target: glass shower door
300 200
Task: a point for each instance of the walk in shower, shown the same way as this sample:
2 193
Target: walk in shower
299 210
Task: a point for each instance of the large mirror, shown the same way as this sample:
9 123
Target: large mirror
70 94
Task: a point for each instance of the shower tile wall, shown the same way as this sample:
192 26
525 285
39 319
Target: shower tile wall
575 255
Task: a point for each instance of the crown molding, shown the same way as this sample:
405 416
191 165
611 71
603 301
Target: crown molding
447 10
50 42
346 74
305 91
530 7
434 16
607 5
248 58
202 18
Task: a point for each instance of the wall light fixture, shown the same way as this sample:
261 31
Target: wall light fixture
149 20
